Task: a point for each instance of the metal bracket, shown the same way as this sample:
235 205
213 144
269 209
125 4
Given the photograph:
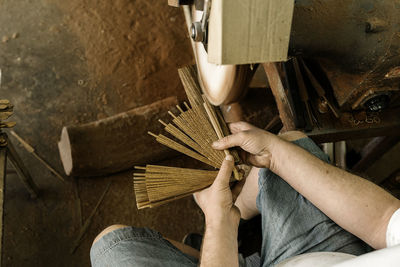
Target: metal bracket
199 29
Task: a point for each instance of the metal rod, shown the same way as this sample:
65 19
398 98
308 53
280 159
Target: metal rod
31 150
22 171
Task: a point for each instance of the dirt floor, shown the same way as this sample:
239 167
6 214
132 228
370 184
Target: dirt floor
70 62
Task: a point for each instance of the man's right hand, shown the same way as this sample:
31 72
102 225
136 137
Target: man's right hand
256 142
357 205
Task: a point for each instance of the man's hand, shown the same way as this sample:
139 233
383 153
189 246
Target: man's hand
357 205
222 220
256 142
216 201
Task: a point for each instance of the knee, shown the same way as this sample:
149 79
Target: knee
109 229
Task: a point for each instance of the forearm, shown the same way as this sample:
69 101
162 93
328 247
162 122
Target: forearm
355 204
220 246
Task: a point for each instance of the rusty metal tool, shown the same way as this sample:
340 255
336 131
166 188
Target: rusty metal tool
304 94
7 150
319 89
31 150
89 220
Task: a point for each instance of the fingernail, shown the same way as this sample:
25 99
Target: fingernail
215 144
229 157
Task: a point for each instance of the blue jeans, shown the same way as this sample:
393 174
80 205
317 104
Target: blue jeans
291 225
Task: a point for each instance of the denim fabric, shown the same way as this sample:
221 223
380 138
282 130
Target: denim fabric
131 246
291 225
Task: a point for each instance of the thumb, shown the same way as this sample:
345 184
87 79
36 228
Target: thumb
224 174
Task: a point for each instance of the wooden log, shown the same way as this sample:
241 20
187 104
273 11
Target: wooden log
285 109
115 143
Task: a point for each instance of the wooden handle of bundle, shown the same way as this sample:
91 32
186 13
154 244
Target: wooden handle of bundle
232 112
217 128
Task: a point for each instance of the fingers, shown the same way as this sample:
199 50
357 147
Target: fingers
229 141
224 174
240 126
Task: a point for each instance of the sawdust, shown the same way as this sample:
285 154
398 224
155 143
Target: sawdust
132 48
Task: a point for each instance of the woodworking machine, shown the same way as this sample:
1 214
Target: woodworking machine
352 47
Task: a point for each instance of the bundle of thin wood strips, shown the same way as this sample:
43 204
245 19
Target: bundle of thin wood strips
194 129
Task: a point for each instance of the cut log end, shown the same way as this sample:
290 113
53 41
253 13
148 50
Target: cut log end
115 143
64 147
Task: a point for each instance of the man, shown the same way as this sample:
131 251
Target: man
313 214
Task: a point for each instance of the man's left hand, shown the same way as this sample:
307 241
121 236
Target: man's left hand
216 201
